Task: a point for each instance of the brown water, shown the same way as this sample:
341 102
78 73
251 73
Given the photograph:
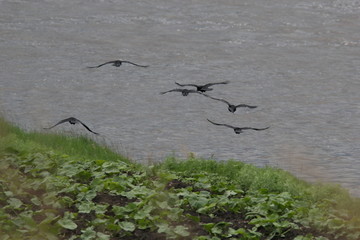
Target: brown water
298 61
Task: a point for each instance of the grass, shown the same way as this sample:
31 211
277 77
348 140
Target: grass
248 176
62 187
78 146
252 178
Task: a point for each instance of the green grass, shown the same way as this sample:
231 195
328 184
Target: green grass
63 187
251 179
79 146
247 176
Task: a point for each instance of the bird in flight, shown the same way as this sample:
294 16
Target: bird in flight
231 107
73 121
184 91
238 130
117 63
202 88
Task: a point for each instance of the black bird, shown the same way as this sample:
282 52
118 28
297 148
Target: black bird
231 107
238 130
184 92
72 120
202 88
117 63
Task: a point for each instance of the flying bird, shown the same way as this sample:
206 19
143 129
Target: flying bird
202 88
184 92
73 121
231 107
238 130
117 63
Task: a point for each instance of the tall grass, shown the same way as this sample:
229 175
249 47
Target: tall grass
70 145
251 178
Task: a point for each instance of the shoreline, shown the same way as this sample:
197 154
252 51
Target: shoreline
63 187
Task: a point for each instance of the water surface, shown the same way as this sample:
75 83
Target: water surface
298 61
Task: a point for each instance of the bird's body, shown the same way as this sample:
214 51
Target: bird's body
202 88
117 63
231 107
184 91
73 121
238 130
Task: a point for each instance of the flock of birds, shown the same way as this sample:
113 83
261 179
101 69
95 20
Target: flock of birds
199 89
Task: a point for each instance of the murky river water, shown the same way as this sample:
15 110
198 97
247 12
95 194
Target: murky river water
298 61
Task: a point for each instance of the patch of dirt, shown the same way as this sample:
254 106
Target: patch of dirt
176 184
145 234
106 198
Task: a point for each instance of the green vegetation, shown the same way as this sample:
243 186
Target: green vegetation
60 187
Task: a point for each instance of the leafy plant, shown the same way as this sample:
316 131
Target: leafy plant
50 189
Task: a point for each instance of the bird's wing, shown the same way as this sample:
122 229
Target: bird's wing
60 122
172 90
87 127
193 91
210 84
104 64
221 124
256 129
184 85
245 105
135 64
218 99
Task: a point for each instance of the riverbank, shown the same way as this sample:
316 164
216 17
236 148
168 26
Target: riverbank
62 187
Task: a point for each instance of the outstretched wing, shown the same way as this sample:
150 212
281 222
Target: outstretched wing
218 99
87 127
245 105
256 129
60 122
173 90
135 64
210 84
221 124
185 85
103 64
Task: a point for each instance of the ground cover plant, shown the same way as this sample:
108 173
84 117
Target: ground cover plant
50 189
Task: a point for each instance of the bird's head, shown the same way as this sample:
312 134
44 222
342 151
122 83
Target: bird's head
237 130
117 64
185 93
205 89
232 108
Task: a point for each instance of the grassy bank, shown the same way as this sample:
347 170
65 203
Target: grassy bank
60 187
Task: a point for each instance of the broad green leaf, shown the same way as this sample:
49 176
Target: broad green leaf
119 211
206 208
9 193
102 236
144 212
15 203
85 207
127 226
36 201
88 234
162 227
86 195
238 231
182 231
100 208
5 237
208 226
110 167
144 223
67 223
163 205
